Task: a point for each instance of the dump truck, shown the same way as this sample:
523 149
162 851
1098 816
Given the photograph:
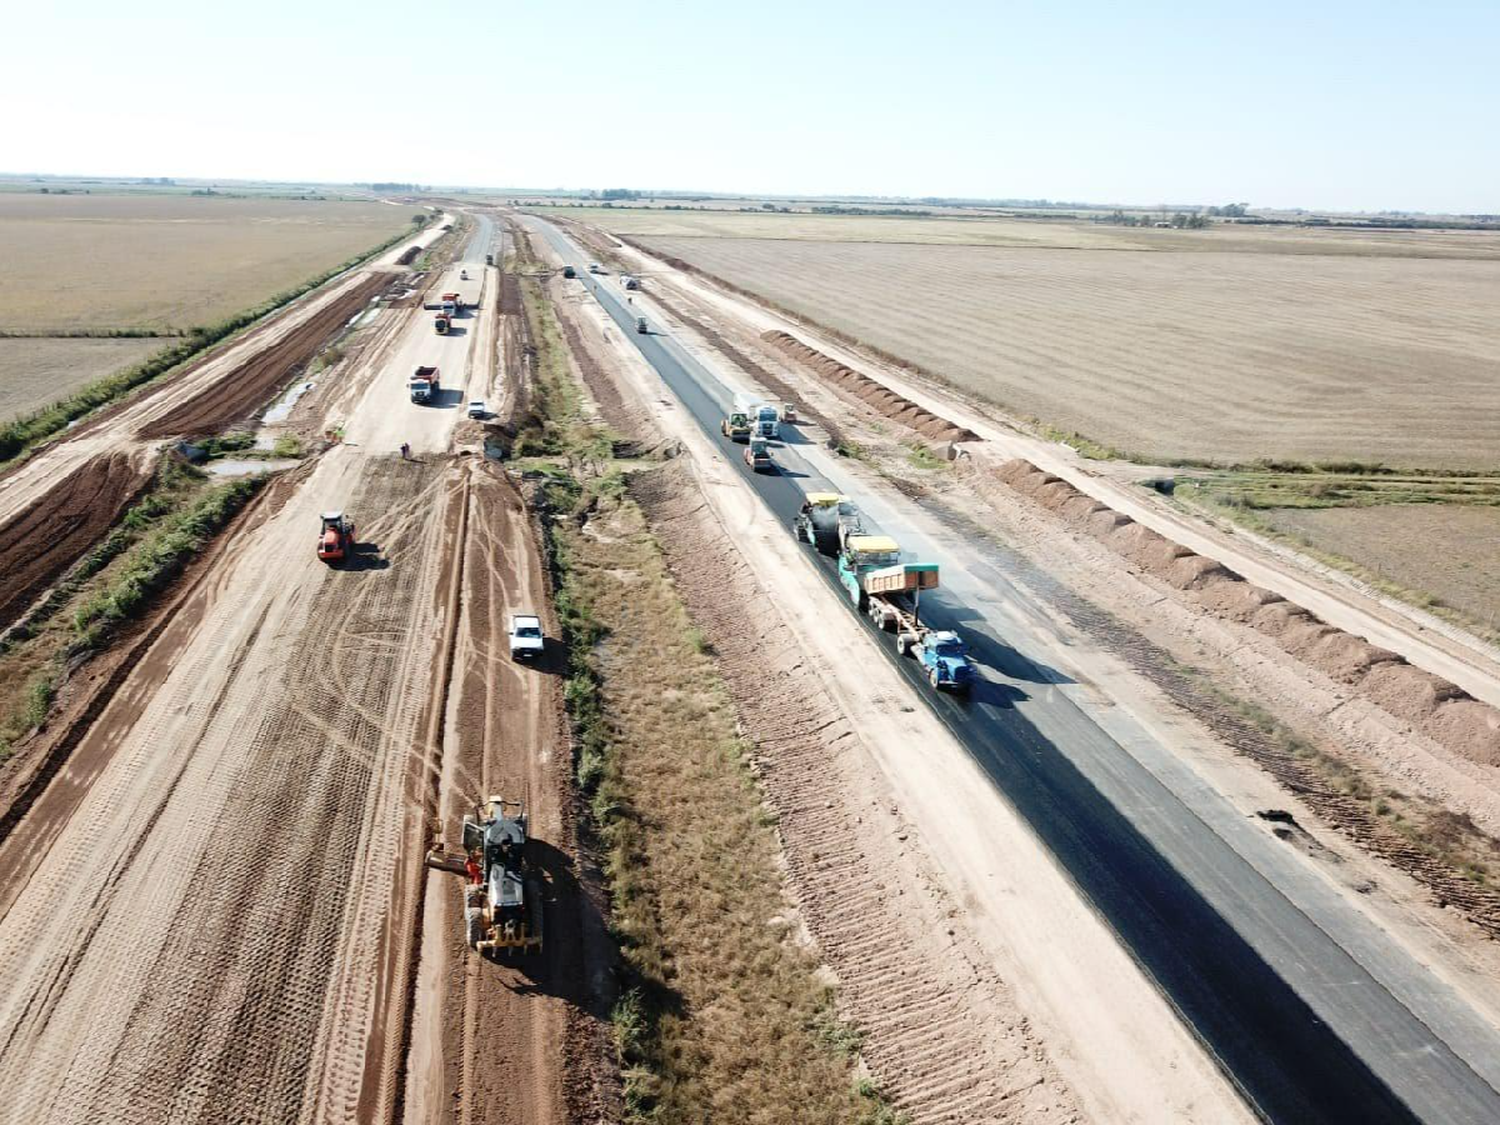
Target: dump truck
424 384
335 537
826 520
442 323
453 303
789 412
502 899
889 591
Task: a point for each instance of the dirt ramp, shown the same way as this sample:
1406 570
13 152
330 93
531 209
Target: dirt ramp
876 395
1439 709
43 541
255 382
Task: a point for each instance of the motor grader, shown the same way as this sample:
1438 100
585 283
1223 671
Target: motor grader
502 900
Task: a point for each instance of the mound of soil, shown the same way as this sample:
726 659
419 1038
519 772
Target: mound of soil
867 390
43 541
1437 707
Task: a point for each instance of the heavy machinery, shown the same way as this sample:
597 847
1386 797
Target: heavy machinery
502 900
489 259
826 520
336 537
758 455
890 592
741 419
569 271
424 384
641 326
442 323
453 304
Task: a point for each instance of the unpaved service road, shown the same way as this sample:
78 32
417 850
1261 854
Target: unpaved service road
227 922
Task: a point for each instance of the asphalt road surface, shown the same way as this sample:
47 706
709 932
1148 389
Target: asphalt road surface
1304 1005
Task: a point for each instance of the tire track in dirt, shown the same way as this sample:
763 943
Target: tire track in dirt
48 537
241 901
519 1039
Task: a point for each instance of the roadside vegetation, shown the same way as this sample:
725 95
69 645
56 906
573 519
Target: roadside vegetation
1435 562
116 583
721 1012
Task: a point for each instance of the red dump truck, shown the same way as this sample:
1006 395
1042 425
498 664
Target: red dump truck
424 384
453 304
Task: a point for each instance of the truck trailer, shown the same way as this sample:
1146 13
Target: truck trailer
889 592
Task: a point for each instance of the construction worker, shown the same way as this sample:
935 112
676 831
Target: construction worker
405 451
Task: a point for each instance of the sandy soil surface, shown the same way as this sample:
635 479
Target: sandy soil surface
218 909
88 472
35 372
1030 992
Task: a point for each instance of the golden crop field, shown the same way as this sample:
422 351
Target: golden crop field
33 372
168 261
1247 346
953 228
1444 550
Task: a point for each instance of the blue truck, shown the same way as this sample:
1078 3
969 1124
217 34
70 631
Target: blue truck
889 592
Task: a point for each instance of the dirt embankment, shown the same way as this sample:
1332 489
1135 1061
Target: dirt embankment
875 395
926 1002
253 383
47 538
1427 703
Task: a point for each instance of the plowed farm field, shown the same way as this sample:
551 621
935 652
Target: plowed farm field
168 261
35 371
1228 355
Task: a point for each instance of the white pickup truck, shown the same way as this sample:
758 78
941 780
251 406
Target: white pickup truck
526 640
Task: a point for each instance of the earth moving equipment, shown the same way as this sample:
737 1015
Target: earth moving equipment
502 899
827 520
789 412
758 455
890 593
424 384
336 537
569 271
442 322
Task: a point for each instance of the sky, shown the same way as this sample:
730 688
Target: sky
1320 105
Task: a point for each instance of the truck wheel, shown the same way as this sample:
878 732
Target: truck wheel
903 644
932 678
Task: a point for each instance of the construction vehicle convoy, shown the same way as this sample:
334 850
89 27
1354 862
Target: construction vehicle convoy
502 901
335 537
889 591
424 384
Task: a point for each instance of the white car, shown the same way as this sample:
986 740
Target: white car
526 640
477 408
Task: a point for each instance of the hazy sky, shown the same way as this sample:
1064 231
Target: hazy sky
1333 105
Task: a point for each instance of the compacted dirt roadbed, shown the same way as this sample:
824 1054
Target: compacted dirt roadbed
203 940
